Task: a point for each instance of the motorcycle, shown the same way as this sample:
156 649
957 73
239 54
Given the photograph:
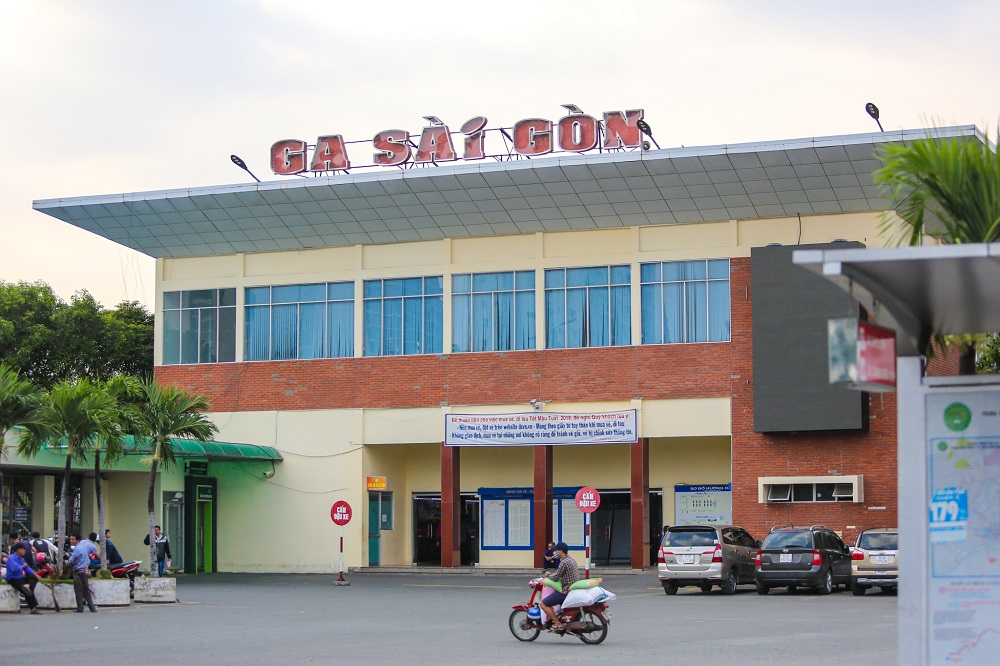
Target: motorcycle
122 570
589 623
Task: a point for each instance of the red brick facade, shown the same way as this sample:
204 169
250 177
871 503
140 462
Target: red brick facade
598 374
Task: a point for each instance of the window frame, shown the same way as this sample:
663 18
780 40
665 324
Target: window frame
561 277
270 306
426 298
219 310
660 284
517 317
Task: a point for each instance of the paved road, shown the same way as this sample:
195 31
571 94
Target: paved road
449 619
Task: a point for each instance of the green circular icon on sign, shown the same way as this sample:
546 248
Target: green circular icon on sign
957 416
942 446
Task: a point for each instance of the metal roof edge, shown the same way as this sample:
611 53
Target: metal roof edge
48 205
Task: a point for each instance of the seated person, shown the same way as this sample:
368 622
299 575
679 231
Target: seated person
550 560
567 573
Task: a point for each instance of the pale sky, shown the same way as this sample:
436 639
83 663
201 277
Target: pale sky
105 97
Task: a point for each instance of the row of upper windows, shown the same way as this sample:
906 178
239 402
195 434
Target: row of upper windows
682 301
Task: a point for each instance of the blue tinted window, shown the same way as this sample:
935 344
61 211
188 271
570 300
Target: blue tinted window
196 329
404 316
688 303
299 321
461 284
586 312
492 319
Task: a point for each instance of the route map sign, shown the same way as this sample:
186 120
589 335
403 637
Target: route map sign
963 432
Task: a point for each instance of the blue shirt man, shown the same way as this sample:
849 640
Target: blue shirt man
79 559
17 575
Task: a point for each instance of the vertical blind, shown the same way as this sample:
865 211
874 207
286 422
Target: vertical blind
300 321
199 326
588 307
685 301
493 311
404 316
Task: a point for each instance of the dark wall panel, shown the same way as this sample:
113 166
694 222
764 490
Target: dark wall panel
791 305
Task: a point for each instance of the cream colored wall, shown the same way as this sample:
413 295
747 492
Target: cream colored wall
282 523
536 251
691 461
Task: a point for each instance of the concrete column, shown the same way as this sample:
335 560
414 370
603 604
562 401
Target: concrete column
88 507
43 502
639 509
542 506
451 506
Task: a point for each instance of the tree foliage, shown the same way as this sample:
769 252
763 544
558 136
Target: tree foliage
949 189
47 339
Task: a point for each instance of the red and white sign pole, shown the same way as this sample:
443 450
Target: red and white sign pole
587 500
340 512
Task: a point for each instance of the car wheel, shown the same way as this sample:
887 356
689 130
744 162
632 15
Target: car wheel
706 587
826 587
729 587
762 589
857 589
670 587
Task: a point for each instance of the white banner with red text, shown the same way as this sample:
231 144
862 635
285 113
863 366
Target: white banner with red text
540 429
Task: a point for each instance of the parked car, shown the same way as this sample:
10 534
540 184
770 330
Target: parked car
802 556
874 561
706 556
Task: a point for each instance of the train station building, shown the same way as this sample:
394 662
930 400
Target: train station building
456 346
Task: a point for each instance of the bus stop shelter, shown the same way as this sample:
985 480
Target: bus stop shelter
949 442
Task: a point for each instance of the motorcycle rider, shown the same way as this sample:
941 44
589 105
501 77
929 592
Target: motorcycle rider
567 573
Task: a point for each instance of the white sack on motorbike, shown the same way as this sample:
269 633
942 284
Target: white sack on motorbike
588 597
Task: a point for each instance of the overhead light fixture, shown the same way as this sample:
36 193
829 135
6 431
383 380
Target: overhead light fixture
647 130
434 120
243 165
572 108
873 112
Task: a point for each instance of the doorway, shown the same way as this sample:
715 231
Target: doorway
427 529
173 526
200 525
611 527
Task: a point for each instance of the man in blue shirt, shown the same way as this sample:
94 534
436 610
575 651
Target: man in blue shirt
17 575
79 561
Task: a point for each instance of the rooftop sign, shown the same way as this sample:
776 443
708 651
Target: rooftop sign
577 132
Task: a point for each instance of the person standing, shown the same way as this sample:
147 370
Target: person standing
79 562
114 557
18 573
162 547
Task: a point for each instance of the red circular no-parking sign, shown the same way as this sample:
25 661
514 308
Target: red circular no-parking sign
340 512
588 499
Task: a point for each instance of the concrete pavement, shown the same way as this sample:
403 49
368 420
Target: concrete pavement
442 619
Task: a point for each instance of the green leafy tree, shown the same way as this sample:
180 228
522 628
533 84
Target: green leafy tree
18 400
77 414
950 190
166 414
27 331
48 340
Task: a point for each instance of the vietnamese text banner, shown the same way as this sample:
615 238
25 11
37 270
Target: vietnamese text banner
540 428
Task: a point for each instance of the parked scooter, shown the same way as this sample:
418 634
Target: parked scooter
121 570
588 622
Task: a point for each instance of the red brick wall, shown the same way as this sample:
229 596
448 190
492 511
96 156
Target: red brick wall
600 374
871 453
563 375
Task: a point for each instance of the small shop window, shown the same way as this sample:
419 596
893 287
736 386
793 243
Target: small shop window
385 511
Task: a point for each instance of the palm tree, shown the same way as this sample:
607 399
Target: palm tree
18 399
956 181
167 413
124 390
79 413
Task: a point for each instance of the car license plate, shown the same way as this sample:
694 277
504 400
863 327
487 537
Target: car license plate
785 557
685 559
880 559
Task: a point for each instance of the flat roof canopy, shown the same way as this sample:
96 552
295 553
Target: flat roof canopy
918 291
469 199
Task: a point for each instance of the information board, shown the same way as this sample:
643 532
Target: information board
963 447
494 523
540 429
703 504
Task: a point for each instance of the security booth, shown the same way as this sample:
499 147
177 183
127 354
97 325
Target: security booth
948 443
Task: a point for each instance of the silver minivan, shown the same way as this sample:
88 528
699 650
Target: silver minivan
706 556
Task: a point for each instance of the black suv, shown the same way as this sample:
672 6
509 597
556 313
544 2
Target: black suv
808 556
